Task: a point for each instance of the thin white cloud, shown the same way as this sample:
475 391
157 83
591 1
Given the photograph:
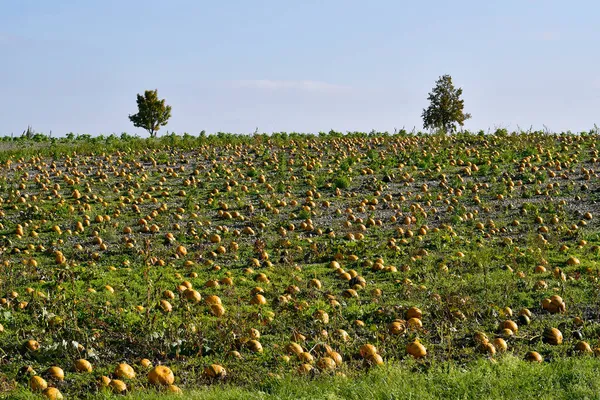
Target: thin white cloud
301 85
7 38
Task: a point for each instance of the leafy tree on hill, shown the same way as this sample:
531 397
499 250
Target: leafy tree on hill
445 107
152 112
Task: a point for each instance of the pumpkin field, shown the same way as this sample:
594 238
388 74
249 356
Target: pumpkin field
239 266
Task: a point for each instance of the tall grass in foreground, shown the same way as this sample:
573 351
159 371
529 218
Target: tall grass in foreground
508 378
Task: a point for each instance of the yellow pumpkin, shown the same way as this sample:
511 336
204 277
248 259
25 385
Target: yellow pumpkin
336 357
326 364
212 300
104 381
56 373
373 360
255 346
52 393
306 357
124 371
415 323
500 345
488 348
192 295
305 369
144 362
552 336
397 327
416 349
512 325
161 375
414 312
217 310
118 386
258 299
174 389
583 347
215 371
32 345
367 350
480 338
294 348
37 383
533 356
82 365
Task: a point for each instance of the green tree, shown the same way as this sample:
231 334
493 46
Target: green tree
445 107
152 112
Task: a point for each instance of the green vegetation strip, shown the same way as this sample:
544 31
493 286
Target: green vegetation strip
507 378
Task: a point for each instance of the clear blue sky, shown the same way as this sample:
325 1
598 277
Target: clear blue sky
291 65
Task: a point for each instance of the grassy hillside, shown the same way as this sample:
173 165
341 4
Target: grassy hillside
368 265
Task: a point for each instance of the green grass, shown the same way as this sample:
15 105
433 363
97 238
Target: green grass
302 196
507 378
